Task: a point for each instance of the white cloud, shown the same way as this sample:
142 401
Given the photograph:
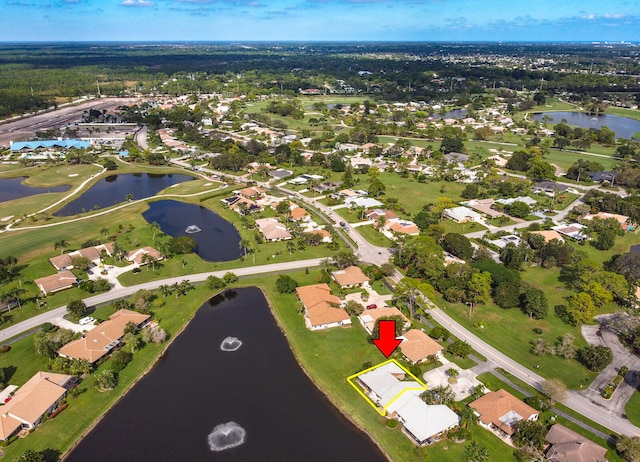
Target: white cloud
140 3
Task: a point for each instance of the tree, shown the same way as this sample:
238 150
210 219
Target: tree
77 309
518 209
345 258
285 284
555 389
132 341
567 348
629 448
353 308
81 263
439 394
229 277
476 453
580 308
533 303
478 289
107 380
507 294
530 434
31 456
459 348
155 227
458 245
595 357
61 244
215 283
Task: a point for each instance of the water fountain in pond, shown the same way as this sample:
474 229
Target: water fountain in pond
192 229
230 344
226 436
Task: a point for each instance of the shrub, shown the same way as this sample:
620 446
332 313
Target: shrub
5 348
392 423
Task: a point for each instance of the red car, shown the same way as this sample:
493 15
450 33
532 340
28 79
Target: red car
372 306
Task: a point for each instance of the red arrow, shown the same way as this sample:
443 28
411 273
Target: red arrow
387 341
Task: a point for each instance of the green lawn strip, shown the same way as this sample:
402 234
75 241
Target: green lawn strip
451 226
380 287
633 408
624 112
373 236
565 159
511 332
61 432
463 363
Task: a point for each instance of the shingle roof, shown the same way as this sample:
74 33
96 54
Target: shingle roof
53 283
567 445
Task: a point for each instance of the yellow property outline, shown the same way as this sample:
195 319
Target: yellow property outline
383 412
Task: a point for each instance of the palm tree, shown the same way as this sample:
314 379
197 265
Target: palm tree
468 417
165 290
104 231
291 247
61 244
155 228
301 245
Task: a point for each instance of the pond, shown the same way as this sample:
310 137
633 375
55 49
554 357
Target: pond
624 127
114 189
14 188
217 239
260 403
453 114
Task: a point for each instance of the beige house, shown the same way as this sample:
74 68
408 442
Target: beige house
137 255
549 235
272 229
350 277
28 405
60 281
322 309
418 346
103 338
501 411
250 192
369 317
94 253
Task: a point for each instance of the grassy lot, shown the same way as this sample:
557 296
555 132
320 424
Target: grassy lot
511 332
60 433
633 408
624 112
566 159
375 237
451 226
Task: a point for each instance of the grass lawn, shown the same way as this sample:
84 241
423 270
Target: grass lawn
511 332
451 226
373 236
633 408
565 159
624 112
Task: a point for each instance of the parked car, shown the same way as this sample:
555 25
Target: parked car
86 320
373 306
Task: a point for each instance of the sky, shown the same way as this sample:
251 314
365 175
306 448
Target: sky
320 20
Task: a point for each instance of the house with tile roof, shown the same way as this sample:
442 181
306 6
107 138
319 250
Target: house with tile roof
39 396
298 214
369 317
93 253
102 339
137 256
549 235
351 276
322 310
501 411
54 283
273 230
567 446
418 346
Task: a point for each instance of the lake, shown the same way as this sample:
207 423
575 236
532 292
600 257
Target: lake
14 188
114 189
624 127
277 412
217 239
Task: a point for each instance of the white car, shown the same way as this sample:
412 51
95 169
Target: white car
87 320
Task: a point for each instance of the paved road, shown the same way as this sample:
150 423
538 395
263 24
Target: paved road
114 294
592 409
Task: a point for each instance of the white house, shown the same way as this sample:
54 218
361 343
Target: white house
462 214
